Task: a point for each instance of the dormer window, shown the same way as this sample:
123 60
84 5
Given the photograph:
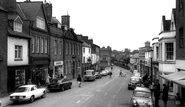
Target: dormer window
40 23
17 27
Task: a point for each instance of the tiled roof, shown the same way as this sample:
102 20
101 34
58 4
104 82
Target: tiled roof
54 20
20 12
56 31
30 9
12 16
18 34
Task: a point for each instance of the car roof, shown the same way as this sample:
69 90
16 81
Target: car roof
29 86
142 89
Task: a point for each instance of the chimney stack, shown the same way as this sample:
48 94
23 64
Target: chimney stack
66 21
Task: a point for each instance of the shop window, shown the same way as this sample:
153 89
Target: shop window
19 77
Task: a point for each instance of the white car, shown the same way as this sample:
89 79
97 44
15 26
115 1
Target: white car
27 93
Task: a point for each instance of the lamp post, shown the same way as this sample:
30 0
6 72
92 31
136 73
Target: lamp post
151 77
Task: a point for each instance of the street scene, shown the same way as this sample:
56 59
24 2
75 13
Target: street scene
98 53
105 92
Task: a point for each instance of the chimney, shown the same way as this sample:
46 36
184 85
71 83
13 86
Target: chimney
85 37
90 41
147 44
48 9
9 5
66 20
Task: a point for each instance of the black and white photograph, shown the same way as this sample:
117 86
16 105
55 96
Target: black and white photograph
92 53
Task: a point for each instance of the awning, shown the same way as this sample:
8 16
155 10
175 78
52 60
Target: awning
174 76
180 82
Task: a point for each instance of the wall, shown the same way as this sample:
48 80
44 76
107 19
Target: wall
12 41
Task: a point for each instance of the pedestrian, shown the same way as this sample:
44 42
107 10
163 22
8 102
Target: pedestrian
61 76
79 80
48 79
178 100
120 73
165 94
157 93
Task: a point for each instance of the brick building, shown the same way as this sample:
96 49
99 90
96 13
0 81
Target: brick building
3 50
72 50
105 57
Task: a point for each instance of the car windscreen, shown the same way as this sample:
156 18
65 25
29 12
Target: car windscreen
142 94
22 89
89 73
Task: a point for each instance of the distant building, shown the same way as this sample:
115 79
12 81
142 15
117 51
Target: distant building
105 57
134 62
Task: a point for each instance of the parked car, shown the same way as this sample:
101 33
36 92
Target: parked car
103 73
89 75
134 82
59 84
97 75
141 97
27 93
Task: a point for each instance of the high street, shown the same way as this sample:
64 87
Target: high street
104 92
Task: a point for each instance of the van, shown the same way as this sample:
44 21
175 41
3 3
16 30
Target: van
89 75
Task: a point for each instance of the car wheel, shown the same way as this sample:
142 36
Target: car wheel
15 102
44 94
69 86
31 99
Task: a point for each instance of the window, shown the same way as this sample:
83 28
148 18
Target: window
60 47
55 47
19 77
78 49
181 38
83 60
33 44
157 52
69 48
46 46
83 50
89 50
180 4
40 23
17 27
38 44
42 45
66 48
18 52
169 51
72 49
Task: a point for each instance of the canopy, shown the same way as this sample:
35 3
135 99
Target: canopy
174 76
180 82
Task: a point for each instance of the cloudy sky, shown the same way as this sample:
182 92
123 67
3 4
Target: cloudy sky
117 23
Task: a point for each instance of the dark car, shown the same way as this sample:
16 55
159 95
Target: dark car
59 84
134 82
97 75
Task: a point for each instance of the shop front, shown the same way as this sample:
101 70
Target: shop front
17 76
58 69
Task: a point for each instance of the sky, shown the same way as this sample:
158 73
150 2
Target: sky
119 24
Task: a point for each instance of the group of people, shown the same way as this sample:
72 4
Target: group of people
164 92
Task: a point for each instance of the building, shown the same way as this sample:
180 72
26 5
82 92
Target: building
134 62
56 49
105 57
97 57
33 11
167 51
72 50
3 50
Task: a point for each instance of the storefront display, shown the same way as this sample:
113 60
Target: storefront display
19 77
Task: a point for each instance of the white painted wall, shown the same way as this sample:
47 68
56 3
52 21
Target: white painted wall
87 54
12 41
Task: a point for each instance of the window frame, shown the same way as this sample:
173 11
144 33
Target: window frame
40 23
46 46
169 51
18 49
17 27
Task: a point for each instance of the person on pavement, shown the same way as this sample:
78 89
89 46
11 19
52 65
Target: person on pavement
79 80
120 74
165 94
157 93
178 100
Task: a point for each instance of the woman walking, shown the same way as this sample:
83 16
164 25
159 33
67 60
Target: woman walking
79 80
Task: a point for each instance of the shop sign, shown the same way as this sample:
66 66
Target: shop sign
56 63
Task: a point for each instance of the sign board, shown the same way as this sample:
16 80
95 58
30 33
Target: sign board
57 63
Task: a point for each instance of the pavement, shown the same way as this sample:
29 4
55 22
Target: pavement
5 100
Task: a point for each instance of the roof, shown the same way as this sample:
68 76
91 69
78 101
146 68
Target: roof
31 85
30 9
12 16
55 20
18 34
142 89
55 30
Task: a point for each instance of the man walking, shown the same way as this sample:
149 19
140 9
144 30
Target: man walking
157 93
165 94
79 80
